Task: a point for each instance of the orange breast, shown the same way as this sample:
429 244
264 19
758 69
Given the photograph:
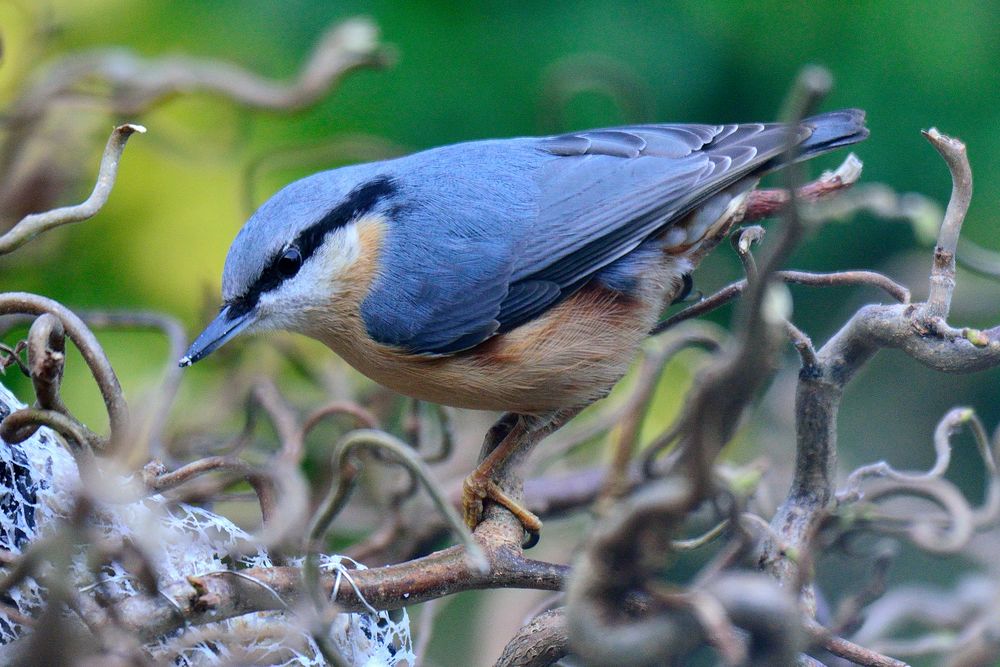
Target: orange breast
568 357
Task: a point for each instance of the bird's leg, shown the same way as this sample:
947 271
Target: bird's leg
502 441
506 444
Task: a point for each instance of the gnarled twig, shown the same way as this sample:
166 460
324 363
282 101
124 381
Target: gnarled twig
37 223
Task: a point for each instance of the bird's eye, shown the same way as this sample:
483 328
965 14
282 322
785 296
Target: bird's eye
290 262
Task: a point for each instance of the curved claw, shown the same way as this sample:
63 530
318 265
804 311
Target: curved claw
476 488
530 539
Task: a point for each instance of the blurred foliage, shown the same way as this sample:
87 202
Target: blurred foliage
488 69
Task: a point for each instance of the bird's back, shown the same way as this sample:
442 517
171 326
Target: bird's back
492 234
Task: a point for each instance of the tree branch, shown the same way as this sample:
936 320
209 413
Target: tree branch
37 223
215 596
943 270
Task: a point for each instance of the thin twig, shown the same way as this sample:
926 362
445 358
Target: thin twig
440 416
942 282
22 424
213 597
404 455
11 356
942 449
90 348
37 223
767 203
283 417
701 540
842 648
46 358
148 432
654 362
158 480
742 241
835 279
362 417
138 83
803 345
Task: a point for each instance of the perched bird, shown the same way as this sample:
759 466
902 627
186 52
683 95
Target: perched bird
515 274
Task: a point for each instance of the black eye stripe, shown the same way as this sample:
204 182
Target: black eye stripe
360 201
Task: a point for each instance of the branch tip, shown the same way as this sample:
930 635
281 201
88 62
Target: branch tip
847 173
976 336
942 279
943 143
130 128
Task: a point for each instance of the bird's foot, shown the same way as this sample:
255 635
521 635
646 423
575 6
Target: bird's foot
477 488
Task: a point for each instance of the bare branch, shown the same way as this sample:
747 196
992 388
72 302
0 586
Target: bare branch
961 520
803 345
758 605
540 643
138 83
158 480
37 223
283 417
942 449
90 348
942 282
931 342
848 278
425 419
402 454
361 416
763 204
598 590
840 647
11 356
147 429
46 356
655 360
216 596
21 424
920 331
836 279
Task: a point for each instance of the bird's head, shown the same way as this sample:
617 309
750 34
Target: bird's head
295 255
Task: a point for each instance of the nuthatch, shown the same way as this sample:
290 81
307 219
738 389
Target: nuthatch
517 274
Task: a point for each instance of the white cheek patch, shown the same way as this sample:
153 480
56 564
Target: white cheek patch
314 286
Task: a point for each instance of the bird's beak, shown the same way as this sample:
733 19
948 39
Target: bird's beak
219 331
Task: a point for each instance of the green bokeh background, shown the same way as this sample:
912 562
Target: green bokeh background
487 69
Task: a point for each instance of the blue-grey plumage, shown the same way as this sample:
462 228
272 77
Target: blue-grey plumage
517 274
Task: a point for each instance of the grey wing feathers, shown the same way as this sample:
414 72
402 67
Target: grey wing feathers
597 207
527 296
673 141
600 194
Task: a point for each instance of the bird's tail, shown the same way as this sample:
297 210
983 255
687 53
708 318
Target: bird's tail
833 130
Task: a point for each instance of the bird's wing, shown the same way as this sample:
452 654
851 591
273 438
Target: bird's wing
595 196
613 188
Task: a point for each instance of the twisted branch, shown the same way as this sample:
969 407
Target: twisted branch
37 223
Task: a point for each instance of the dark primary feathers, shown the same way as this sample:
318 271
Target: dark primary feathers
497 232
